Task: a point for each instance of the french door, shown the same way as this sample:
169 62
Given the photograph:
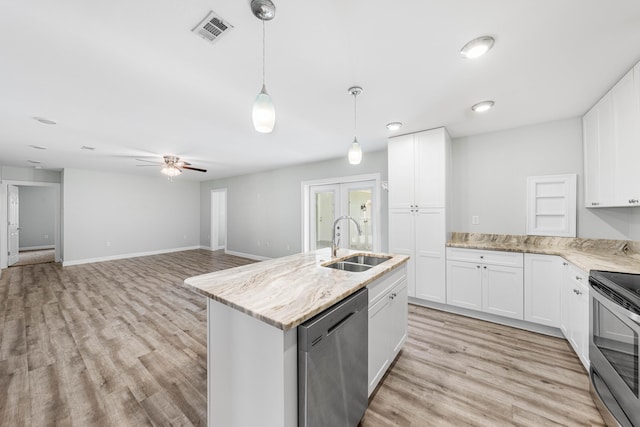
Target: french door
357 199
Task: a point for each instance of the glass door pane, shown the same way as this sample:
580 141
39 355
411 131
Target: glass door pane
360 202
324 201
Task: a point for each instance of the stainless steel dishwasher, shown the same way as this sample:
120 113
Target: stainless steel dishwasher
332 365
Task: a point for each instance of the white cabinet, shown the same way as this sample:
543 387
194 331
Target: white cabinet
418 226
543 275
387 323
575 311
611 130
489 281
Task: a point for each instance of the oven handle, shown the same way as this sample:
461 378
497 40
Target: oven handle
611 304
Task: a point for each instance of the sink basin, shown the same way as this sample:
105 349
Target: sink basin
349 266
367 259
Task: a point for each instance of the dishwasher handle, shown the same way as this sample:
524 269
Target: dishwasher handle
344 320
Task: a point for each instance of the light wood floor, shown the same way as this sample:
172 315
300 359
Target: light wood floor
124 343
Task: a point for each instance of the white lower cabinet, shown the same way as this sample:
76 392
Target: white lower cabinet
543 275
488 281
388 307
575 311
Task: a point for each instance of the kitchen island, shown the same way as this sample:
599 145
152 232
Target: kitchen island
252 315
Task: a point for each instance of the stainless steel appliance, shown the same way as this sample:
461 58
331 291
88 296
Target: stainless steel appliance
614 315
332 365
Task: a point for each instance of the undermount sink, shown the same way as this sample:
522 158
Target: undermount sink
358 263
367 259
349 266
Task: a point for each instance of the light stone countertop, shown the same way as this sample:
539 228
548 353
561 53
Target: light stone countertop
284 292
587 254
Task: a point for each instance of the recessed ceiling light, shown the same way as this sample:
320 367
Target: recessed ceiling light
483 106
38 147
477 47
34 162
44 121
37 167
394 126
86 147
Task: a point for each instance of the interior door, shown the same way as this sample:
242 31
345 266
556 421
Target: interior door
13 204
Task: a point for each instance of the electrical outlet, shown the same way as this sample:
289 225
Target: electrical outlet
475 220
46 236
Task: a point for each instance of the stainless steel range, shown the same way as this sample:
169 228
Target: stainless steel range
614 315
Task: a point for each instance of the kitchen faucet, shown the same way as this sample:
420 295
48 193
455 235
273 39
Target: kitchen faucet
334 245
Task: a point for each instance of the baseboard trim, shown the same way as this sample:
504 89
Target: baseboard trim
123 256
248 256
36 248
514 323
208 248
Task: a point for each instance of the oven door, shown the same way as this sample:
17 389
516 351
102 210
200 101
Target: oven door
613 352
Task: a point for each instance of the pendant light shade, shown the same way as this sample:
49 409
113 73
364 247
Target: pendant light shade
355 153
264 115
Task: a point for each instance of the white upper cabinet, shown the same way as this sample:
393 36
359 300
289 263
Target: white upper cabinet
626 114
417 170
611 138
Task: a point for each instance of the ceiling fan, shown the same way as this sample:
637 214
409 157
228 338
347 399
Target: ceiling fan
172 165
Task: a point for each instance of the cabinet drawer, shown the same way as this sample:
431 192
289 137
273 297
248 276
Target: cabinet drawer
506 259
381 286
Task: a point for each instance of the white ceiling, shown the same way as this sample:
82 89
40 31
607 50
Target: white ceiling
130 79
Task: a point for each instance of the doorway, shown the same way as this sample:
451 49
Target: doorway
218 230
326 200
32 214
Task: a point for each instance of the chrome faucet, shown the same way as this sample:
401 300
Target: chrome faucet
334 244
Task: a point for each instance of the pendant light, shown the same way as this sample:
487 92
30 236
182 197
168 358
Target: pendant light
264 115
355 152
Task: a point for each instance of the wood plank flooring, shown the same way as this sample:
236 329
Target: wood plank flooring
123 343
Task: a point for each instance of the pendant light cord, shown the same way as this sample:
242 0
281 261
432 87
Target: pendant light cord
355 115
263 53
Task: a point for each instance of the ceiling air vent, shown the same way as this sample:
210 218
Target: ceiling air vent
212 27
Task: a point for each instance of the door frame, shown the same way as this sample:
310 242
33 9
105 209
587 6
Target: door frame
4 237
376 231
211 216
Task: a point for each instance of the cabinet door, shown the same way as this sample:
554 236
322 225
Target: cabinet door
402 241
464 286
580 322
565 302
591 158
398 317
606 150
401 172
430 168
502 291
430 260
542 287
626 119
379 354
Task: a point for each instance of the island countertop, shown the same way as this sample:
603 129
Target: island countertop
284 292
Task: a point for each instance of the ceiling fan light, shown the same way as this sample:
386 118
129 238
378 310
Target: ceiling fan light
264 115
170 171
355 153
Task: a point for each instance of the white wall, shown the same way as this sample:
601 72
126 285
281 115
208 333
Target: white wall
29 174
489 180
37 217
108 216
267 207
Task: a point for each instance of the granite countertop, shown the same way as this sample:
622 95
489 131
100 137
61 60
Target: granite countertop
284 292
587 254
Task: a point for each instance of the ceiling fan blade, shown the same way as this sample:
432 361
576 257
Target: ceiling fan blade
186 163
155 166
194 169
150 161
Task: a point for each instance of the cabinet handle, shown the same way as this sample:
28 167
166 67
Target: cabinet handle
595 203
481 256
633 201
565 263
477 266
577 292
578 278
485 267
